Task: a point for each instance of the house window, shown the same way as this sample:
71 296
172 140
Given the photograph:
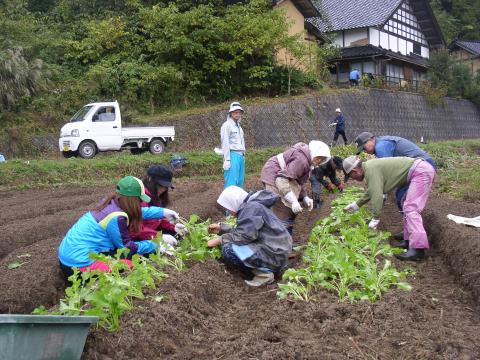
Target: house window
417 49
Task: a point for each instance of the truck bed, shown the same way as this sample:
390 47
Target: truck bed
148 132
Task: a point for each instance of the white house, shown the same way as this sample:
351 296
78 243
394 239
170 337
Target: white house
388 38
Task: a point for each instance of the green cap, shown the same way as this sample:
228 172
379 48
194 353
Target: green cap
132 186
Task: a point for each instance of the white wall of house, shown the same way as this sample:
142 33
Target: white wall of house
425 52
347 37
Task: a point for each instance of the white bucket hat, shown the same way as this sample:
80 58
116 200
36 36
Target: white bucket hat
338 110
319 148
349 164
235 106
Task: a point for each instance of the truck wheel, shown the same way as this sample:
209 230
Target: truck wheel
157 146
87 149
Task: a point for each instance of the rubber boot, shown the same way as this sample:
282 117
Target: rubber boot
398 236
317 202
412 255
260 278
403 244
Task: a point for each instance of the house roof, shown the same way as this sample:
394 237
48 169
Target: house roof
351 14
359 52
472 46
306 7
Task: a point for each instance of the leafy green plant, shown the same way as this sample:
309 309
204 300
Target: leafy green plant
344 256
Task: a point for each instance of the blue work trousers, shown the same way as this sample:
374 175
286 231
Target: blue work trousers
236 174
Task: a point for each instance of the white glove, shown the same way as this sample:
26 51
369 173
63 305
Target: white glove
384 198
373 223
226 165
169 239
308 203
170 215
292 199
332 124
166 249
351 207
181 229
218 151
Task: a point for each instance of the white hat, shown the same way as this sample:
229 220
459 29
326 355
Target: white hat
235 106
319 148
338 110
350 163
232 197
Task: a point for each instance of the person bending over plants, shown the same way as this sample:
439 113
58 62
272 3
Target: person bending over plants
286 175
157 183
259 242
386 174
106 228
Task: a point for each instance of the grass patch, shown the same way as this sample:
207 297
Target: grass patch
458 167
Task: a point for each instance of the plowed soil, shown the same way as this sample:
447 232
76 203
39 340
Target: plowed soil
209 313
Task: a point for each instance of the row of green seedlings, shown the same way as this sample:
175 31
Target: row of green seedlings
344 256
109 295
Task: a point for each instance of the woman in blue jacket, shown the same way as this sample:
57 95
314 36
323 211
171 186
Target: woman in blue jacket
105 229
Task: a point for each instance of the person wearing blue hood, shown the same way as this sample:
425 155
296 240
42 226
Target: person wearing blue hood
259 242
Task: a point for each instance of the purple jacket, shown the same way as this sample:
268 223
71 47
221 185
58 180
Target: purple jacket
298 167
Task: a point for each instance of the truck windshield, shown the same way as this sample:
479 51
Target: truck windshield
80 115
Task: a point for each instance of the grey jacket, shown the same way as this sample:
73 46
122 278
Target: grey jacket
261 230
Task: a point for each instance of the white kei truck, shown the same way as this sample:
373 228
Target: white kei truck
98 127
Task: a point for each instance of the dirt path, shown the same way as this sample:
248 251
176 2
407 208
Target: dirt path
210 314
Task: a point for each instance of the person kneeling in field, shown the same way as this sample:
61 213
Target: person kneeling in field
259 242
157 183
105 229
384 175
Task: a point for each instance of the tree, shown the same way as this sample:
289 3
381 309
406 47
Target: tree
18 77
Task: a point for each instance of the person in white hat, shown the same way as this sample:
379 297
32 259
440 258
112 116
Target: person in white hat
287 174
339 123
259 242
233 147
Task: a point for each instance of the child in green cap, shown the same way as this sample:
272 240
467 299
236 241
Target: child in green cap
105 228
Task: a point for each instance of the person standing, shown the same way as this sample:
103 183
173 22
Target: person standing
233 147
339 123
384 175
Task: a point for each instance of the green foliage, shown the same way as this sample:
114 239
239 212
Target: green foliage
109 294
343 255
193 246
458 18
451 78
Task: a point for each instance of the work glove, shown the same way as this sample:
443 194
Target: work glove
166 248
333 124
170 215
330 187
341 186
373 223
226 165
181 229
292 199
169 240
351 207
384 198
308 203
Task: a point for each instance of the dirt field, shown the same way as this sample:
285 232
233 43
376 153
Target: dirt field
209 313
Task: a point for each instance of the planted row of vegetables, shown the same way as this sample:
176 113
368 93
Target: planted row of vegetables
345 256
109 295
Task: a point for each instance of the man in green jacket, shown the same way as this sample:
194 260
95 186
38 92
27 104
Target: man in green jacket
386 174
